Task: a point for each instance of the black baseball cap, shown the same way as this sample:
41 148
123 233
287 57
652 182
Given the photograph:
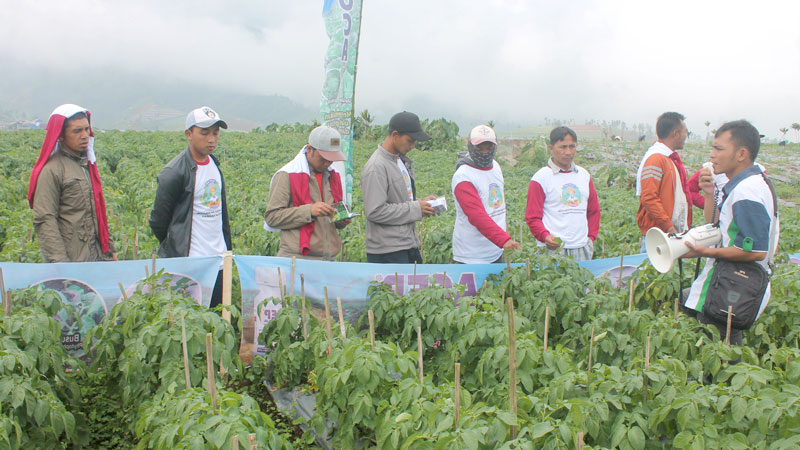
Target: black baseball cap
408 123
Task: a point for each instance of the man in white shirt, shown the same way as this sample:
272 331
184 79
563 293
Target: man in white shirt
190 211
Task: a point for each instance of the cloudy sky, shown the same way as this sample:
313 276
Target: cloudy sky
515 62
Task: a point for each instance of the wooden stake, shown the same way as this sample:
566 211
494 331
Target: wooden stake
512 365
419 353
235 442
328 318
122 289
676 308
546 326
153 257
371 316
3 289
458 394
212 384
280 285
251 438
146 272
339 309
645 380
291 280
185 352
528 267
397 284
304 312
136 244
227 281
444 279
630 297
415 277
591 349
728 328
579 441
619 281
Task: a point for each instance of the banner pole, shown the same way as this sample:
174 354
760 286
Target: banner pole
227 280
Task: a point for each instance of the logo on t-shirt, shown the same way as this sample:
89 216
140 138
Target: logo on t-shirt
495 196
211 194
570 195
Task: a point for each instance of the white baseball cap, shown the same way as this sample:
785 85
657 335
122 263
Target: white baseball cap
328 142
482 133
204 117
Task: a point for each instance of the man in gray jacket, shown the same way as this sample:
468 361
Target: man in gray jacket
389 194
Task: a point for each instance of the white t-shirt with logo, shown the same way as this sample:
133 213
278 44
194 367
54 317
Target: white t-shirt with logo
207 238
470 246
566 201
406 178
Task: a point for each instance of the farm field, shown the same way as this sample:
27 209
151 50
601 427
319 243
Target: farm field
597 375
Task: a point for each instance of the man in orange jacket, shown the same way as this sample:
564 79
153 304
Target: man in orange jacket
661 181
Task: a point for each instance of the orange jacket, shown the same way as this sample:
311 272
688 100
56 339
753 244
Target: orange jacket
657 200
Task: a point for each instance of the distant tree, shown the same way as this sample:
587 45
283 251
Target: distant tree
491 124
796 128
363 125
783 131
708 124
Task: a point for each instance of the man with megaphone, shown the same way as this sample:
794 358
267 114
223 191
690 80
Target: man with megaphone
728 287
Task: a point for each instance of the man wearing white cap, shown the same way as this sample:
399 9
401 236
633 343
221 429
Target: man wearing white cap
563 211
65 192
301 196
479 235
190 211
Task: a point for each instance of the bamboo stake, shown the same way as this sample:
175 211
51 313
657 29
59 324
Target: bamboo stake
444 279
146 272
235 442
371 316
280 285
339 309
328 318
579 441
728 327
397 284
3 289
512 365
153 257
591 350
251 438
227 281
458 394
304 312
630 297
415 277
136 244
185 352
7 302
619 281
646 381
291 280
546 326
528 267
212 385
419 353
122 289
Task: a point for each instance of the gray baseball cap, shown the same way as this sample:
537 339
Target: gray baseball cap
204 117
328 142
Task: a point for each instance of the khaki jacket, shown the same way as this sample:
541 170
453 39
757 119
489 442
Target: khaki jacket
283 215
64 215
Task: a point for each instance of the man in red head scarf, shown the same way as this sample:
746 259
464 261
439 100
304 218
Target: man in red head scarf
65 192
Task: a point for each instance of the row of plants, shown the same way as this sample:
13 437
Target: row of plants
648 378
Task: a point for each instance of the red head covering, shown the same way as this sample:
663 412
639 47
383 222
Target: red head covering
54 127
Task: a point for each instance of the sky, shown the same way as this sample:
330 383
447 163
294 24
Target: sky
513 62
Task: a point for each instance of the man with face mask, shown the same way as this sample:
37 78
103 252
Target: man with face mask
479 235
563 211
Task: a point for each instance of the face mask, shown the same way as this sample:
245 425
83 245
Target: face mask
481 160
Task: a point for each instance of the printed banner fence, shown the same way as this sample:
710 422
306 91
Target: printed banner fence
93 287
342 24
261 283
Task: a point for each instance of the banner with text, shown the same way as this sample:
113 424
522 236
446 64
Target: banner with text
261 283
342 24
93 287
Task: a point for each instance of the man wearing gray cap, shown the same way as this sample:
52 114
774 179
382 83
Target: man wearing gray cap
389 193
301 195
190 211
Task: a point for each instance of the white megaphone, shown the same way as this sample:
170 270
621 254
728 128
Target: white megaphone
663 249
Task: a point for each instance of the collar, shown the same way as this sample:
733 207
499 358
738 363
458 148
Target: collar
387 153
557 170
78 159
733 182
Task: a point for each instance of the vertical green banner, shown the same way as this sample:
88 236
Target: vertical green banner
342 23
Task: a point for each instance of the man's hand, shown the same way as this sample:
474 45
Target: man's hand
696 251
344 222
321 209
706 182
551 243
512 245
425 207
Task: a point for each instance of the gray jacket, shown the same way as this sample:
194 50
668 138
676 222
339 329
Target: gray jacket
171 218
391 216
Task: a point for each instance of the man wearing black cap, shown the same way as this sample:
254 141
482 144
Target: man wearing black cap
390 195
190 212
